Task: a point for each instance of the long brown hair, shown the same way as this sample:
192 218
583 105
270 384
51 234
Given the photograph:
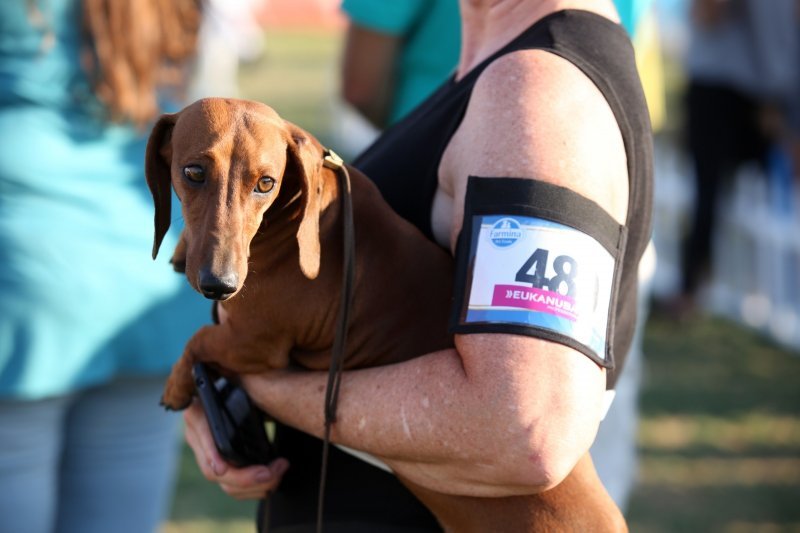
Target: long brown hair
135 48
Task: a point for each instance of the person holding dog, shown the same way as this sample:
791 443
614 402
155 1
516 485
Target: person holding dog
542 131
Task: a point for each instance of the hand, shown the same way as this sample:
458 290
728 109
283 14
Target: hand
251 482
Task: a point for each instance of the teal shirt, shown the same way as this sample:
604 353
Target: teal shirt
81 300
431 30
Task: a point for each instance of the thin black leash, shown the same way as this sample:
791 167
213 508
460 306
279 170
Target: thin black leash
335 163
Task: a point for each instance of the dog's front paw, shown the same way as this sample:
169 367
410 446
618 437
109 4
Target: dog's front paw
171 404
178 393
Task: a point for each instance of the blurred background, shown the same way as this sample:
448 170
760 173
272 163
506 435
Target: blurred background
719 433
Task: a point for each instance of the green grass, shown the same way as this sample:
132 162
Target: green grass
202 507
719 433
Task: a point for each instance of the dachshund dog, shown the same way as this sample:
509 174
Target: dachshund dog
263 237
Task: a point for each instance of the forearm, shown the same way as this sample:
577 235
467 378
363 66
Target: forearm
442 424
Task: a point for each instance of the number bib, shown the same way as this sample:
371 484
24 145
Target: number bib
529 268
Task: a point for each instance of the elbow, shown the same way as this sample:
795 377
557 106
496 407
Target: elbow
546 460
366 101
546 469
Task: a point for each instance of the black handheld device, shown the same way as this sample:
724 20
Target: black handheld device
236 424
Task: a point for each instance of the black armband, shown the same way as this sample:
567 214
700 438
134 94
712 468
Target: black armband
540 260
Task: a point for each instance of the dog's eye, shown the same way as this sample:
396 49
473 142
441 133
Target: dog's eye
194 173
265 184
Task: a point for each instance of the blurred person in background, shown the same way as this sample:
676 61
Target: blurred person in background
89 324
396 54
741 101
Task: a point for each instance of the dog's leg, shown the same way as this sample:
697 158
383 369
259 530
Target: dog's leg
179 388
233 353
179 255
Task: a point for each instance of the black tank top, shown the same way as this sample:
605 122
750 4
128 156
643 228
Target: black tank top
404 163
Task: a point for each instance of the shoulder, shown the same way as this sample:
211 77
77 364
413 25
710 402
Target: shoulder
533 114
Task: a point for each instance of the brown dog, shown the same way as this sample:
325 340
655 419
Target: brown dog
263 236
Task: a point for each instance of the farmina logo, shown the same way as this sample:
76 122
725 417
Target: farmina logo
505 232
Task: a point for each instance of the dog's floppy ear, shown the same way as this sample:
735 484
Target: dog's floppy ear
158 160
307 159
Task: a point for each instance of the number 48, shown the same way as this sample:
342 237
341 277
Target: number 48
565 267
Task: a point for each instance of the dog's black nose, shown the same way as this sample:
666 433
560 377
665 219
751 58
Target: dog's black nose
216 287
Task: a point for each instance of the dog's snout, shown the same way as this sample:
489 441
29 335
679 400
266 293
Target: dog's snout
217 287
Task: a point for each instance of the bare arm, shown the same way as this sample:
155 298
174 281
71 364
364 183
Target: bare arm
453 430
368 72
501 414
